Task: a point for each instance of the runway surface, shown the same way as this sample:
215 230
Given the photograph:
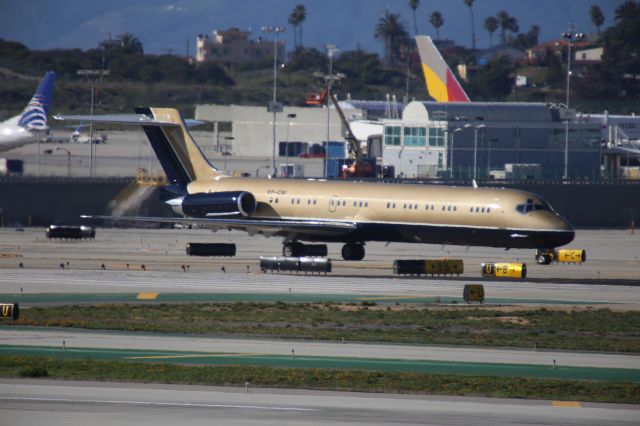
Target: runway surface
31 402
611 254
14 282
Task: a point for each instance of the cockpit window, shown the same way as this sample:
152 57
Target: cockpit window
530 206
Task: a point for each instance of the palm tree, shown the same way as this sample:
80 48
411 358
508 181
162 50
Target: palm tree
413 4
437 20
473 29
491 25
297 17
597 17
391 30
302 16
130 44
294 22
507 23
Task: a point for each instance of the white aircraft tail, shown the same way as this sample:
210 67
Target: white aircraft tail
442 85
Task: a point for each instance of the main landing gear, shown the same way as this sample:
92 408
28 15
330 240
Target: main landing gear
296 249
353 251
350 251
545 256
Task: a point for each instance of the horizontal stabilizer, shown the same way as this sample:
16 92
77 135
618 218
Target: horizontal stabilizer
128 119
178 154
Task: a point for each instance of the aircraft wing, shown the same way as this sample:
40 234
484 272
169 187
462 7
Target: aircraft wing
252 226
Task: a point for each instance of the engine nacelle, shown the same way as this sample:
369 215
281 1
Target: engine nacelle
214 204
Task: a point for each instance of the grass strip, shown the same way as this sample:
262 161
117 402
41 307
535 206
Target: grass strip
321 379
585 329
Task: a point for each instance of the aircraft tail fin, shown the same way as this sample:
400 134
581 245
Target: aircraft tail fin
441 84
179 155
34 116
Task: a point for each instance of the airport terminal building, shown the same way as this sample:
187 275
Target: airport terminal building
523 140
509 140
248 130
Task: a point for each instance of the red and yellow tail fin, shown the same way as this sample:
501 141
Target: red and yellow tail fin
442 85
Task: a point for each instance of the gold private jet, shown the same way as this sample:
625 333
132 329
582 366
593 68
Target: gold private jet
338 211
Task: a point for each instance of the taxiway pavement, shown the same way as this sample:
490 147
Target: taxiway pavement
610 275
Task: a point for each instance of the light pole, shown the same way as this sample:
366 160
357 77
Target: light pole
331 50
475 146
569 36
456 130
58 148
289 117
92 76
225 152
274 106
489 158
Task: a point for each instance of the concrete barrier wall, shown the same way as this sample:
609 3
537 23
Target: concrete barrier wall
44 201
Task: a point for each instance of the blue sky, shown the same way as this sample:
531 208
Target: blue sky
163 25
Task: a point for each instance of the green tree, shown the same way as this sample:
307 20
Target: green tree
492 82
554 72
506 23
392 32
307 59
414 4
491 25
125 43
597 17
363 70
620 65
437 20
473 28
526 40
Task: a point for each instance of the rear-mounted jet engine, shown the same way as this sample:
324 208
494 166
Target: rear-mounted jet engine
214 204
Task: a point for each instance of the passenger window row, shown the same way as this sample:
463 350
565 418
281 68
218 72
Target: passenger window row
476 209
415 206
310 201
343 203
410 206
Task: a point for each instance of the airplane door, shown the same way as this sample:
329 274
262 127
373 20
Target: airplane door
333 203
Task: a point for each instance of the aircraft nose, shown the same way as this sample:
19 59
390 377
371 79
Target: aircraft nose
567 231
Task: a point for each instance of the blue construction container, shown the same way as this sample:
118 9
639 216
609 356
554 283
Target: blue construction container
335 150
333 165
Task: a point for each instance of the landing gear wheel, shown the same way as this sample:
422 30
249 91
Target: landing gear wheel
292 249
543 258
353 251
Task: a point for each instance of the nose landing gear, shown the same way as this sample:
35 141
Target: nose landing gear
545 256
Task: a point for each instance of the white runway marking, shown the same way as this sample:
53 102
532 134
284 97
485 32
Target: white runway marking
153 403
